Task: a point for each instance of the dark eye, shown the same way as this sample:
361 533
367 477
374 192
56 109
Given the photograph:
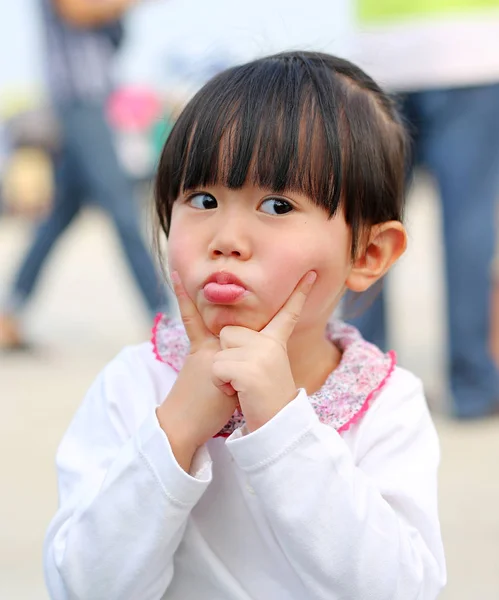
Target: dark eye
203 201
276 206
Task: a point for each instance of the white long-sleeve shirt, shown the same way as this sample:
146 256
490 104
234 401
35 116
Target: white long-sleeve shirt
293 510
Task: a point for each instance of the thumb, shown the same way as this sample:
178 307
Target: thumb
196 330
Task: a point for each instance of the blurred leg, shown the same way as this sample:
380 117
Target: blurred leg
66 205
110 188
494 327
461 147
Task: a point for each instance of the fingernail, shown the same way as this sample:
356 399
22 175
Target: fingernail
311 277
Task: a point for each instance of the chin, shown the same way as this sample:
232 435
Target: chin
218 317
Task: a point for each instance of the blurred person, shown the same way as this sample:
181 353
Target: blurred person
443 61
259 449
494 335
81 40
4 157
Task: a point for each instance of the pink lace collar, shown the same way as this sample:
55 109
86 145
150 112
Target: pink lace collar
345 396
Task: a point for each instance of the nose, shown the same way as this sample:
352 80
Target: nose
231 239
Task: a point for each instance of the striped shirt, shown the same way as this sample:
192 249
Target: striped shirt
78 59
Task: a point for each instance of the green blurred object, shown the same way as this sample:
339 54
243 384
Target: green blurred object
160 133
371 11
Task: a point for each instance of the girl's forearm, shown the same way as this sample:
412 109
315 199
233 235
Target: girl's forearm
348 533
181 443
123 500
116 535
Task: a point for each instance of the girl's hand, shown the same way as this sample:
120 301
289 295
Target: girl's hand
256 364
195 409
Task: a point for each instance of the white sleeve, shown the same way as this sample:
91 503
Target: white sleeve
123 499
353 523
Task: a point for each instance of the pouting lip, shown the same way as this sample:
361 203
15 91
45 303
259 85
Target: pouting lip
224 278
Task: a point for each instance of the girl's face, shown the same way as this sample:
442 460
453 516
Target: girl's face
240 254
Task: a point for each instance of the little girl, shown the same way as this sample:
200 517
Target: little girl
259 450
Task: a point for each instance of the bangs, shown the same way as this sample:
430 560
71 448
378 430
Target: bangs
262 124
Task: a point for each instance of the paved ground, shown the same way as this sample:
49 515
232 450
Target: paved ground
87 309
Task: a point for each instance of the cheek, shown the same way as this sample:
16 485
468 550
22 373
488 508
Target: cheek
287 263
328 254
181 252
324 252
282 268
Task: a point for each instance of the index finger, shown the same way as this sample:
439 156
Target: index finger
192 320
282 325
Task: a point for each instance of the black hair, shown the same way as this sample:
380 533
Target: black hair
299 121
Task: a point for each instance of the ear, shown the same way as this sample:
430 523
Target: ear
386 243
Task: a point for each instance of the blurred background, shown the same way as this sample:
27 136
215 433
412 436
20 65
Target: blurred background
87 303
